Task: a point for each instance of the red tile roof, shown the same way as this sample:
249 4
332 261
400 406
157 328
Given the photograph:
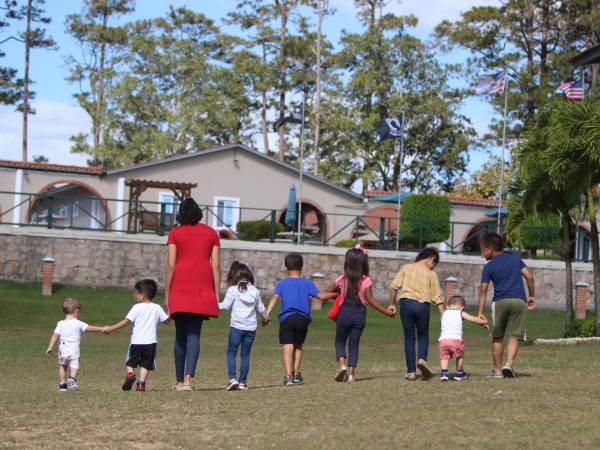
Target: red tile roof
48 167
454 199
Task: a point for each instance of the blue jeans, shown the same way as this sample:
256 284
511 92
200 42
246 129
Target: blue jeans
187 343
414 316
349 328
238 338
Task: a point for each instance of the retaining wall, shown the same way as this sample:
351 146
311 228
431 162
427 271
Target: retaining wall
101 259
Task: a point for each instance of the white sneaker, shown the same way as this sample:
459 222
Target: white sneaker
342 374
350 379
71 384
233 385
242 387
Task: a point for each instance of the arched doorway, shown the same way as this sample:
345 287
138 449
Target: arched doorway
70 204
314 223
471 244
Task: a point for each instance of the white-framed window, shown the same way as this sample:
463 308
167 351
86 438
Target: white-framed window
75 209
170 200
60 212
97 216
226 212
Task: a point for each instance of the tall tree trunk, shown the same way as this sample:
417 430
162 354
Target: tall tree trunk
317 156
26 79
263 108
566 242
591 210
100 100
282 74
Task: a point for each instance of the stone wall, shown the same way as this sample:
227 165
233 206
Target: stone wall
110 259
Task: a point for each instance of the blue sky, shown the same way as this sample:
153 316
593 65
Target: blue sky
59 117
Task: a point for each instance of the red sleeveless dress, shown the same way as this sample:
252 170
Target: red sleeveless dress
192 288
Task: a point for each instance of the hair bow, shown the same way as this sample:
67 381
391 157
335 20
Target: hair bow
364 250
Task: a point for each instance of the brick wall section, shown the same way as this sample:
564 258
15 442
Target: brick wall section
582 295
47 275
111 260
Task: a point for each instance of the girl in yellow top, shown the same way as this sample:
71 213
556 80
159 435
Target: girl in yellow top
416 286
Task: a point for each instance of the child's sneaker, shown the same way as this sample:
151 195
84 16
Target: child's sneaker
62 387
233 385
508 372
351 379
140 386
342 374
444 376
460 376
71 384
242 387
297 378
410 376
129 380
424 368
287 381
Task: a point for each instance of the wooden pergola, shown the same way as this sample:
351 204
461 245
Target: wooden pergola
138 187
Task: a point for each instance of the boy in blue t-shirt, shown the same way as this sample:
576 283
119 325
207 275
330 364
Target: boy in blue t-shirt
506 272
295 293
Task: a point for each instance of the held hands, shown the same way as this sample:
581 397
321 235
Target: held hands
391 311
530 303
266 322
107 330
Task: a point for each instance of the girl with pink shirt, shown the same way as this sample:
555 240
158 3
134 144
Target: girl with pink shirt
356 292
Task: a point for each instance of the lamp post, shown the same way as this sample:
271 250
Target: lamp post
302 122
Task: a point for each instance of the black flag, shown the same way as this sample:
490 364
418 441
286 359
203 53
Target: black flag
390 128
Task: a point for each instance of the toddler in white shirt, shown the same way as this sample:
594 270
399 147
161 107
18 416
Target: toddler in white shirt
451 343
69 332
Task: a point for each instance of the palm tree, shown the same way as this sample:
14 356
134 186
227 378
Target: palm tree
574 138
531 194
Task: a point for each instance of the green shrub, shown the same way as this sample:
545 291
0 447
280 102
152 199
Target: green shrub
540 231
255 230
580 328
425 219
347 243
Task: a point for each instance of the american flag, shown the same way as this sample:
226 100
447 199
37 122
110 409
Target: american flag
572 89
492 83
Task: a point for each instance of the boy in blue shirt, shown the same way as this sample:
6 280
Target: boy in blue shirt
295 293
506 272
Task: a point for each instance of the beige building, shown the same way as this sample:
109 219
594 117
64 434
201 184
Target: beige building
233 183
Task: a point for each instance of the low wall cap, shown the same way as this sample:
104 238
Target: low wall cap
582 284
318 275
48 259
452 279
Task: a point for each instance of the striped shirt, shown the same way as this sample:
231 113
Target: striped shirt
418 283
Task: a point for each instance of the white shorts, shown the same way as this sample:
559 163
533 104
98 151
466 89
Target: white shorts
68 354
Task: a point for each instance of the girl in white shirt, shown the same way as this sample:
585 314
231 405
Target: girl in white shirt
451 343
243 298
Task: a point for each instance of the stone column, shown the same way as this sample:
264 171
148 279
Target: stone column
319 280
47 275
582 293
450 288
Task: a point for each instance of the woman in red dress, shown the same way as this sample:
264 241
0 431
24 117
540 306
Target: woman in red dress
192 282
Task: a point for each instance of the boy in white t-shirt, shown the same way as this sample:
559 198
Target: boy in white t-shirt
451 340
145 317
69 332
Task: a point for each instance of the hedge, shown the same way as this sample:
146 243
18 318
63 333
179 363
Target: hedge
580 328
540 231
255 230
425 219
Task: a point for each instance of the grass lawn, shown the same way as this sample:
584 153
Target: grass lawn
553 404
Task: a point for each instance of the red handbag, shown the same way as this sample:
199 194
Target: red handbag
334 312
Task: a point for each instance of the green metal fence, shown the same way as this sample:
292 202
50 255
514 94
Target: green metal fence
57 211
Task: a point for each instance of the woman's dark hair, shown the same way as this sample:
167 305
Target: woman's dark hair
189 212
428 252
356 266
493 241
240 274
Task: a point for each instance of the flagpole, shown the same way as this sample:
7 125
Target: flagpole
401 155
503 151
301 173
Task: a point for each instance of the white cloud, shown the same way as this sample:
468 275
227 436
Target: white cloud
49 131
